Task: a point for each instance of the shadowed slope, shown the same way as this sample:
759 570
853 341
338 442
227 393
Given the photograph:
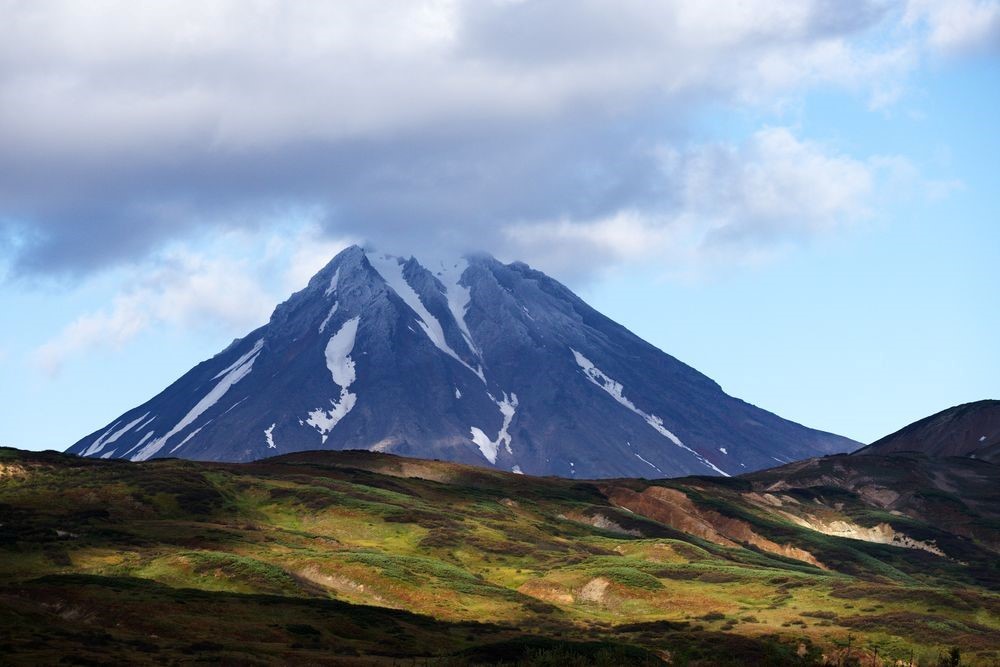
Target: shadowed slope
971 429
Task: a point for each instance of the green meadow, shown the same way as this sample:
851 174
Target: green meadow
361 558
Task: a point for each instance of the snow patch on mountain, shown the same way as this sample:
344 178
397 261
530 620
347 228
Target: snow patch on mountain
242 360
269 436
651 465
107 431
106 439
391 270
486 446
333 283
326 320
490 448
189 437
234 405
640 457
616 391
139 444
342 370
236 372
145 423
338 353
458 297
508 408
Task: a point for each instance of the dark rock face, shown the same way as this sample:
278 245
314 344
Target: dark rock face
476 362
970 429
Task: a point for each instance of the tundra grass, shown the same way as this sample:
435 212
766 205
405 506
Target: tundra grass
293 562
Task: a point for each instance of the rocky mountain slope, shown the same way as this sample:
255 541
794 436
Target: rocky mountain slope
940 505
474 361
971 429
366 558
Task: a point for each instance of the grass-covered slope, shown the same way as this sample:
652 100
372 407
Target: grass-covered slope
355 557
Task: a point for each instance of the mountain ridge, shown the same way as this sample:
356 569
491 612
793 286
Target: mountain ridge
473 361
969 429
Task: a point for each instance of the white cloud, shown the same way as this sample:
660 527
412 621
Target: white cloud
110 328
424 123
184 290
773 185
239 77
232 288
938 190
571 246
723 201
299 255
958 27
438 124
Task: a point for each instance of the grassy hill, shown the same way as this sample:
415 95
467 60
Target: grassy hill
359 558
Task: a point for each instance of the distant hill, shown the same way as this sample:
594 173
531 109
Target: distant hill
957 499
971 429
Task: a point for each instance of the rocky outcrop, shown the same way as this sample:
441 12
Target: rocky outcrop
543 590
601 521
881 533
595 590
673 508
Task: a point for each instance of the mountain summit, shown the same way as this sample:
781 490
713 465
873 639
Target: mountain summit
473 361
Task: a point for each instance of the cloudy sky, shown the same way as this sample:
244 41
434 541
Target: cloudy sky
799 199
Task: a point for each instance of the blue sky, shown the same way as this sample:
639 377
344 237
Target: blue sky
797 200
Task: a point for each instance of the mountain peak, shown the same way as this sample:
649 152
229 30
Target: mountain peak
469 360
351 256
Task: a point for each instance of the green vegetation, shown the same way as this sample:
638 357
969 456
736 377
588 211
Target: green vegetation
360 558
